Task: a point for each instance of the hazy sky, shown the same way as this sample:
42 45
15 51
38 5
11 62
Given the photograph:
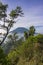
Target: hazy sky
33 12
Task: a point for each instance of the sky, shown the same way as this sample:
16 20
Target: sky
33 13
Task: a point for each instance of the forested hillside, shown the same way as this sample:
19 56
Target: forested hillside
27 50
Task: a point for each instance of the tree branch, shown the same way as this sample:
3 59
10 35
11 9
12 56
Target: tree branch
4 37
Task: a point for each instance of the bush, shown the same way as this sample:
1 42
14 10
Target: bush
3 59
40 38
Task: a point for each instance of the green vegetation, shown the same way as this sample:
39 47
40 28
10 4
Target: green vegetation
29 52
3 59
26 35
31 31
20 51
14 14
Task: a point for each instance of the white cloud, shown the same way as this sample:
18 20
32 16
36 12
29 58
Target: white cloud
34 16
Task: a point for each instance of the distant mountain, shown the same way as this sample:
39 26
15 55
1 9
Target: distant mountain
19 30
38 26
39 29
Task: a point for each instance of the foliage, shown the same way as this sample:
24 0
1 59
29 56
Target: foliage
17 12
28 53
13 37
26 35
14 14
31 31
3 59
13 57
12 43
40 38
3 9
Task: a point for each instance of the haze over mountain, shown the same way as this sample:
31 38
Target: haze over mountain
22 29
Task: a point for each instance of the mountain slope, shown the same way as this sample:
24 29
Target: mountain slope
19 30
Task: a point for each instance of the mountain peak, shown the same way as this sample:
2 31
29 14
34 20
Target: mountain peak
20 30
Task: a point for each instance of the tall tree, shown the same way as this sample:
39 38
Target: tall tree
31 31
26 35
13 37
14 14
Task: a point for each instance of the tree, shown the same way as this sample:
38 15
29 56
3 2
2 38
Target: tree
13 37
25 35
2 57
31 31
14 14
40 38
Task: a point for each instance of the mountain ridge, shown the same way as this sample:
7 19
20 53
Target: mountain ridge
20 30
